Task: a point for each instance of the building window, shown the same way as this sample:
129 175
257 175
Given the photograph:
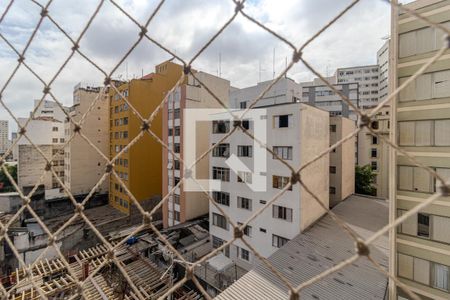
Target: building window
176 113
220 221
374 124
282 121
221 150
423 225
373 153
221 198
279 182
176 215
176 147
247 230
125 121
374 140
177 130
283 152
263 230
176 199
243 254
54 140
245 151
281 212
440 276
278 241
332 169
244 177
176 164
243 105
125 162
55 128
246 124
244 203
221 126
262 202
332 128
222 174
332 190
176 180
374 165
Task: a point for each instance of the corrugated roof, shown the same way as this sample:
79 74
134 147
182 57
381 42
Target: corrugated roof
321 247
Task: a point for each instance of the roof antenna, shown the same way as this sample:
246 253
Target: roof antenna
220 64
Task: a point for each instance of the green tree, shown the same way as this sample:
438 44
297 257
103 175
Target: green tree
7 186
364 180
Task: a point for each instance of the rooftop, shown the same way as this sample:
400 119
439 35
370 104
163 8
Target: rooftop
318 249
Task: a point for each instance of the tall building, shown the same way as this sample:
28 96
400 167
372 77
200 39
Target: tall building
140 166
4 140
318 94
186 205
422 120
296 132
367 78
383 70
83 165
342 160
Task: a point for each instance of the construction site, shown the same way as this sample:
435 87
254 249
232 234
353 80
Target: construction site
142 259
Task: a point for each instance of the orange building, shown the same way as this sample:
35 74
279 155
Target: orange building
140 166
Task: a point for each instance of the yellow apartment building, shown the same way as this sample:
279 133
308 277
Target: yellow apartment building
140 166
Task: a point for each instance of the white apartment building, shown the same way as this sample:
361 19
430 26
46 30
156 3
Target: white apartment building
47 133
383 69
285 90
4 140
367 78
296 132
316 93
83 165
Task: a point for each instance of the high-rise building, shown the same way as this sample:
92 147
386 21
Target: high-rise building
342 160
421 115
367 78
4 140
139 167
383 69
296 132
184 205
83 165
316 93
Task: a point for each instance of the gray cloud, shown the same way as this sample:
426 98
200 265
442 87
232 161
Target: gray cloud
184 27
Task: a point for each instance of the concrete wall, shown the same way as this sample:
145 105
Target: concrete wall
315 139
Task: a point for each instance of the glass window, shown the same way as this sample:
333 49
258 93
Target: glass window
283 152
221 198
222 174
244 203
281 212
221 126
278 241
220 221
279 182
245 151
440 276
423 227
221 150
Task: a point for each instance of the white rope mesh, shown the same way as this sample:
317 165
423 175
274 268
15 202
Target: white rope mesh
110 257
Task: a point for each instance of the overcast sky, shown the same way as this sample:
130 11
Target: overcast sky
183 26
